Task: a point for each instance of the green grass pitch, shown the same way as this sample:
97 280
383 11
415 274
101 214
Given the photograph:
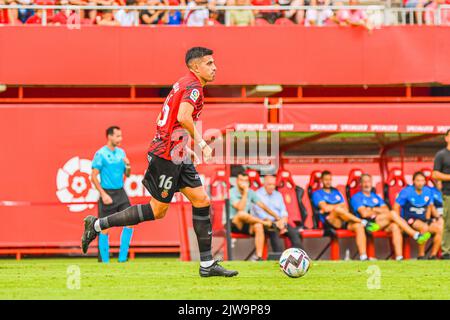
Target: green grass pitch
168 278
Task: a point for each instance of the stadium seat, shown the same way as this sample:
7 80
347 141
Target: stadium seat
218 191
286 186
395 182
254 179
427 172
353 185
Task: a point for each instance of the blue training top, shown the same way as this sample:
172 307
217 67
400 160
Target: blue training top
332 197
111 166
361 200
414 205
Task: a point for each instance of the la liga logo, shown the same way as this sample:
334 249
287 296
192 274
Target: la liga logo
74 185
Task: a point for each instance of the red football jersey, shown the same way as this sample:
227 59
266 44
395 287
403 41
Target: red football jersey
169 132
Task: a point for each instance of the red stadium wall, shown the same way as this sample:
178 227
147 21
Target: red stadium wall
36 55
40 139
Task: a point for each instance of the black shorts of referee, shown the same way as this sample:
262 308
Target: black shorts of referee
120 202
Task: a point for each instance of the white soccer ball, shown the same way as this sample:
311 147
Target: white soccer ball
295 262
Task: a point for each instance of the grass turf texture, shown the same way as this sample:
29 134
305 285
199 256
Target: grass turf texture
159 278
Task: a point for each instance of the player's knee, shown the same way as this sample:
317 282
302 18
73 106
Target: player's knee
159 209
202 201
258 227
395 229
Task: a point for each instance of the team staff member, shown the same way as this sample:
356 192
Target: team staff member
335 214
112 164
415 205
275 202
441 171
368 205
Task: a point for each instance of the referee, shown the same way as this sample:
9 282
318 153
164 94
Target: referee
441 171
112 164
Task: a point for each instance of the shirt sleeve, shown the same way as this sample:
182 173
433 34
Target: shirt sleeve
402 198
316 199
97 162
438 162
356 203
380 201
233 196
192 94
252 196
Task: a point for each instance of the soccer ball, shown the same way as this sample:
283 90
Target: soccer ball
294 262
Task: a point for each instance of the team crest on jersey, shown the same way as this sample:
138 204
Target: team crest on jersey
165 193
194 95
375 201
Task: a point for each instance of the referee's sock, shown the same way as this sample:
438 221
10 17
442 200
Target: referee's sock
128 217
125 239
203 230
103 247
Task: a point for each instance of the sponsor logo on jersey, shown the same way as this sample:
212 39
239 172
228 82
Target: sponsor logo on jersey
164 194
194 95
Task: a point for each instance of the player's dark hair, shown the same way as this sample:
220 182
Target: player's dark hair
447 133
325 173
196 52
110 130
418 173
242 173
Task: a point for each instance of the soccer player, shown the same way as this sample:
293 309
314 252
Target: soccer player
415 205
169 169
368 205
242 198
335 214
111 163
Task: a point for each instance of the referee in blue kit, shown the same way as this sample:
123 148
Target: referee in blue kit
112 164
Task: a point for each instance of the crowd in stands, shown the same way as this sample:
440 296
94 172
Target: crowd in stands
208 15
416 213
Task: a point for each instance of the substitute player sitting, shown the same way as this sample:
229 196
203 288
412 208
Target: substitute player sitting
368 205
415 205
335 214
169 168
242 198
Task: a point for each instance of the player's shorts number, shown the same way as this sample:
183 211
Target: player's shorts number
165 182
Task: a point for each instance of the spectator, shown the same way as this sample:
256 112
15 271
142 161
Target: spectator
151 16
296 16
126 17
351 17
194 16
274 201
241 200
106 18
368 205
268 15
4 14
64 16
24 14
430 15
242 17
213 19
415 4
334 213
173 17
318 17
36 18
415 205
